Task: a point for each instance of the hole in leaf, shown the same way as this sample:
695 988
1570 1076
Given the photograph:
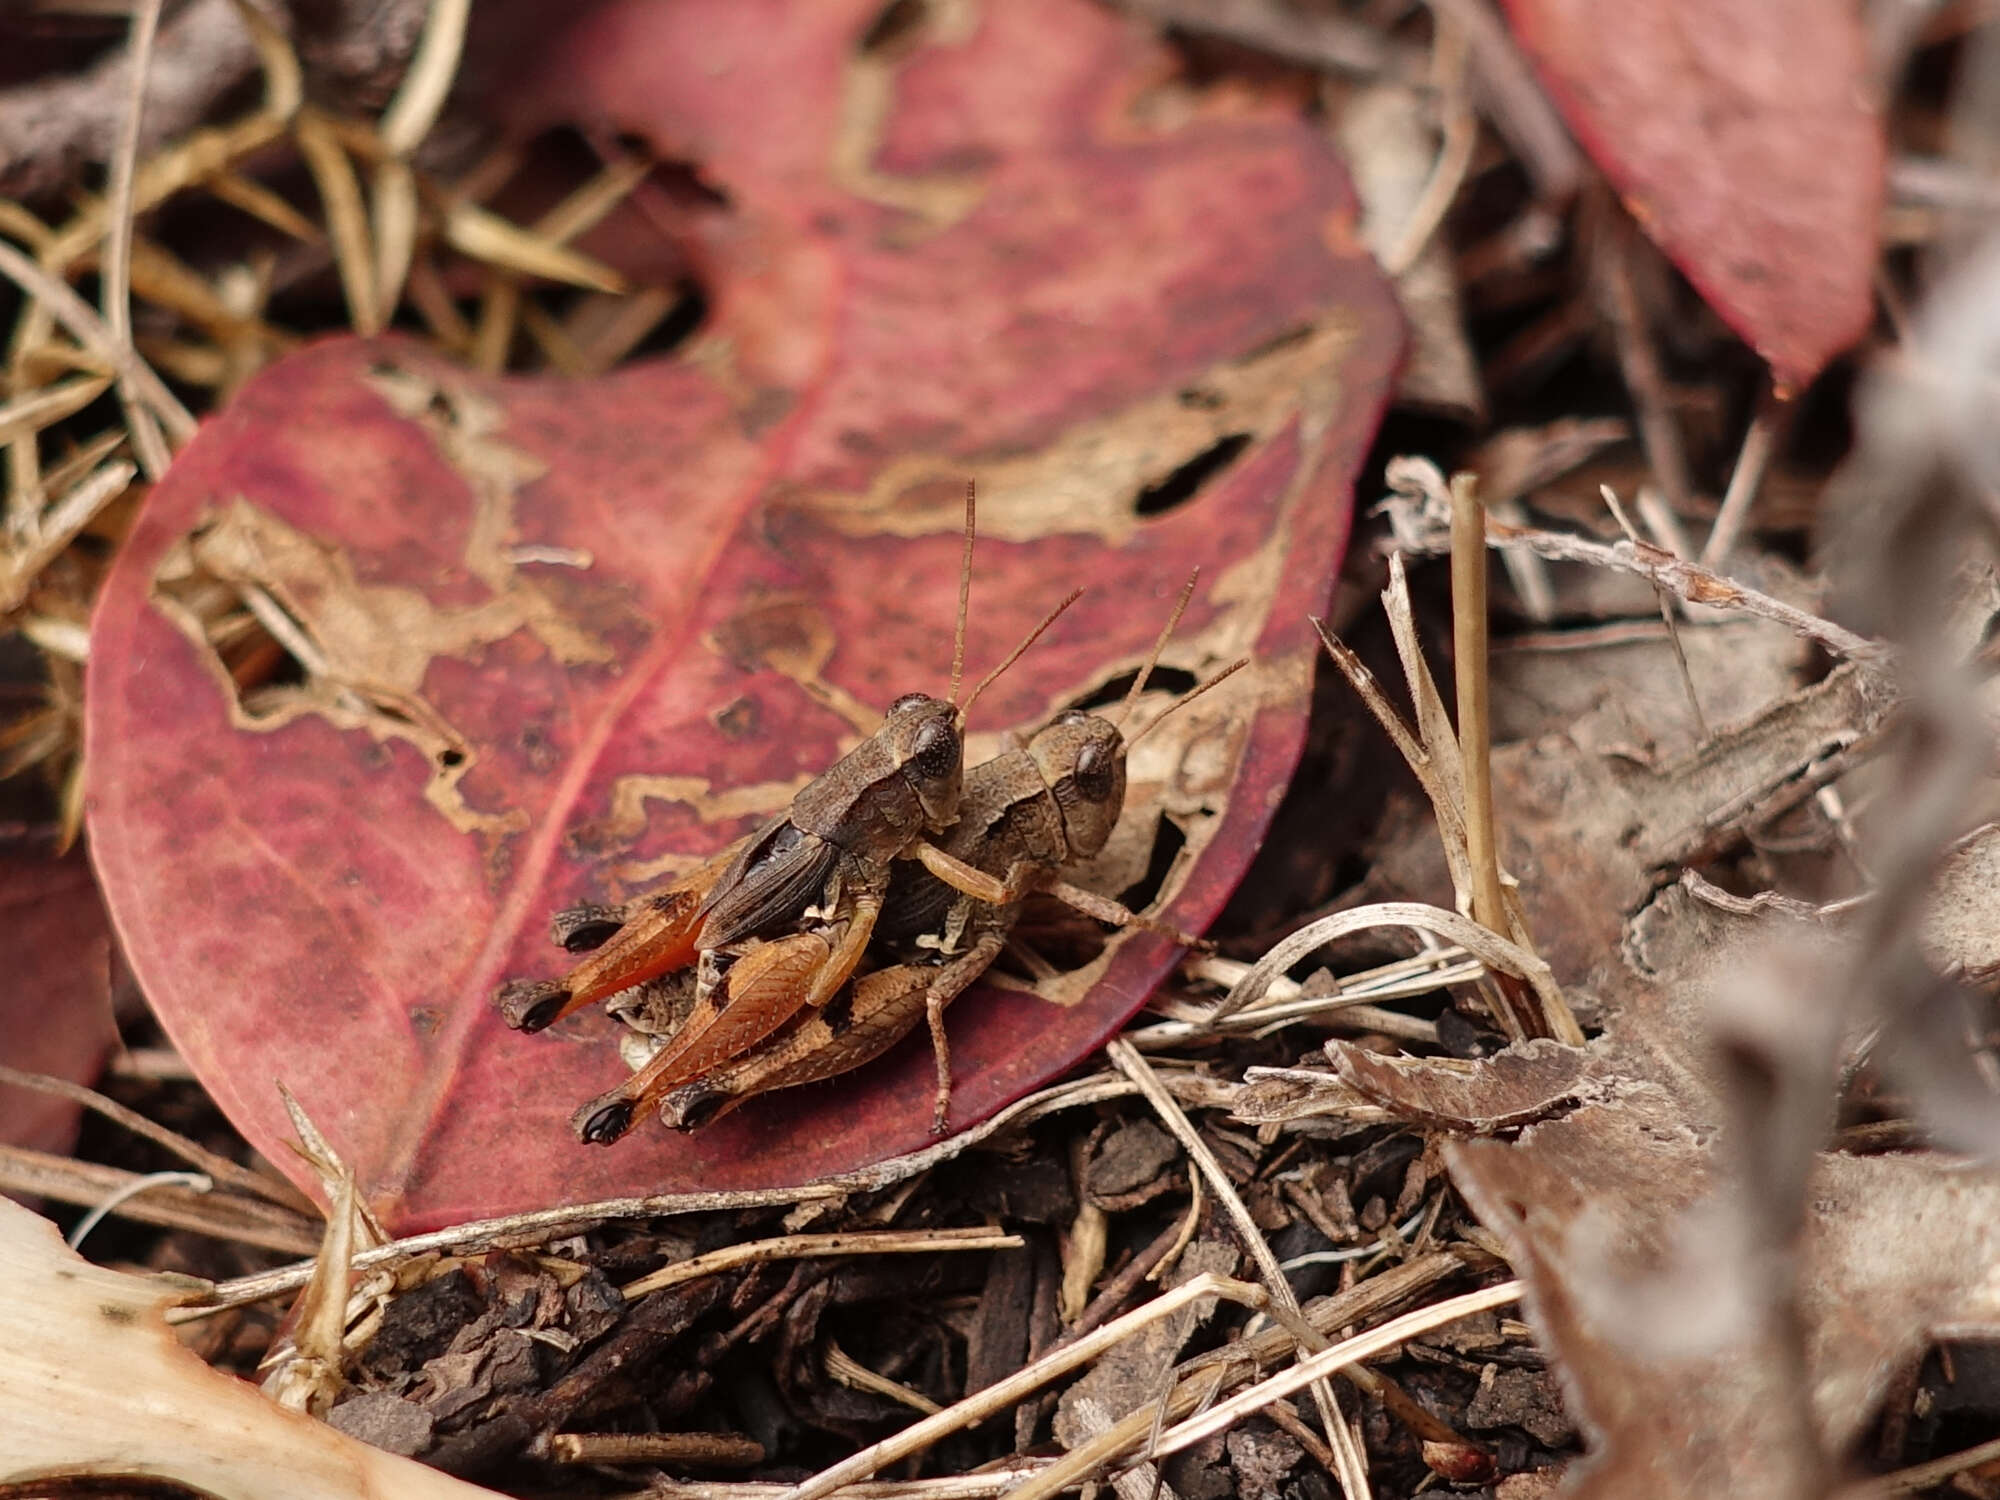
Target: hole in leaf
682 321
1181 486
1164 679
260 666
1168 841
896 22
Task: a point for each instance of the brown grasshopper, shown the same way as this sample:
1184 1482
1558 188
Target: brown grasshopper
1024 816
736 920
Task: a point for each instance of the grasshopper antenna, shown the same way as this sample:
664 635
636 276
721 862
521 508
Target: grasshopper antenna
964 600
1015 655
1188 697
1139 682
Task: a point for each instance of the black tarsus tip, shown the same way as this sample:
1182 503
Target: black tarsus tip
607 1124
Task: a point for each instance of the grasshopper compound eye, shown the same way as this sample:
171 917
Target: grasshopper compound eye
936 752
1096 771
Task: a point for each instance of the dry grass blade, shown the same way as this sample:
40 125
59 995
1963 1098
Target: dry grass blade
252 1221
393 200
983 1485
1759 442
1025 1382
31 411
409 118
1475 720
483 235
58 528
116 272
1350 1003
262 204
1207 1374
302 1371
850 1372
1489 948
70 310
195 1155
812 1246
433 66
1350 1467
1338 1357
346 218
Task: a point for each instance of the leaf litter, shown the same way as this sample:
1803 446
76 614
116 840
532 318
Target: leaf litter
1701 818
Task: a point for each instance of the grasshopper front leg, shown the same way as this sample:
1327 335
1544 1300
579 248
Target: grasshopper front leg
1026 878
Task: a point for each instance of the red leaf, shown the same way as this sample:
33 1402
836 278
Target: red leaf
55 1006
1743 139
1089 292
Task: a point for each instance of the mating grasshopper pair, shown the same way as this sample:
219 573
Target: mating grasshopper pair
755 961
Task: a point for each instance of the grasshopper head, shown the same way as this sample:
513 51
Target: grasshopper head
923 738
1082 760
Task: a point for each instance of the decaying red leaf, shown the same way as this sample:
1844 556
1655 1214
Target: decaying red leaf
55 1008
1743 139
557 639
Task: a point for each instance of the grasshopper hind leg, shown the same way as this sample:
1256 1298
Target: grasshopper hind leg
956 977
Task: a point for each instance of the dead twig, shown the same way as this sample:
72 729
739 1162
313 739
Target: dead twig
820 1246
1418 529
514 1230
702 1450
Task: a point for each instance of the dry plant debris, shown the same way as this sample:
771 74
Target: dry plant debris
1663 999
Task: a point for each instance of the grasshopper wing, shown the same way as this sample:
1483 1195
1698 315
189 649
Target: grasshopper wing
769 885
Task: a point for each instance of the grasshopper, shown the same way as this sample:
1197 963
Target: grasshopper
736 920
1024 816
